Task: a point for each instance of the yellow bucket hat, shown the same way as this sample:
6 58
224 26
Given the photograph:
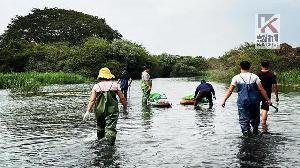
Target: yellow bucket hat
105 73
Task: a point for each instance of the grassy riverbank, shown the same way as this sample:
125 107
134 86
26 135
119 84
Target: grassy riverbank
30 82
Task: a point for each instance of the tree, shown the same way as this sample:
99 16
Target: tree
58 25
90 57
49 57
132 55
14 55
166 63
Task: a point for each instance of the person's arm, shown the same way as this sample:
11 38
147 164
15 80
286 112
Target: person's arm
122 100
196 92
228 94
92 101
147 82
263 93
212 90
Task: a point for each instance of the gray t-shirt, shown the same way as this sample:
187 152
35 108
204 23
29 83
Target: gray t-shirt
145 76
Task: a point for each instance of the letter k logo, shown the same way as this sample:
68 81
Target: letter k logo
269 24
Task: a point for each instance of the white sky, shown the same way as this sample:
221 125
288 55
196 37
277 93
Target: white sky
185 27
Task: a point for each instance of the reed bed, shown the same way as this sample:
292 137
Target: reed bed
30 82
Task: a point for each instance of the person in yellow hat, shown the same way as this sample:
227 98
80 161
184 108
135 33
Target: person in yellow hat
103 100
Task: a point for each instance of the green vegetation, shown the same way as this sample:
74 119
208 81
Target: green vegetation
30 82
290 77
285 62
66 43
52 25
57 40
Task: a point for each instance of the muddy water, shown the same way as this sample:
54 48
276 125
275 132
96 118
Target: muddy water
46 131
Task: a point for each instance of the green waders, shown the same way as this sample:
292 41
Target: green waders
107 113
145 90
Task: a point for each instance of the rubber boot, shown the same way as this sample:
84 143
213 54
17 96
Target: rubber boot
111 140
210 106
247 134
255 131
100 134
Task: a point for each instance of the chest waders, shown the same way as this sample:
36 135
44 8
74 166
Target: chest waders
145 90
107 113
248 106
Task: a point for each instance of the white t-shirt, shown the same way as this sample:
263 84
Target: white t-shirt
245 77
145 76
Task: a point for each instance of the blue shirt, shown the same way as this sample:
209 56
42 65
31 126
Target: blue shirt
205 87
124 82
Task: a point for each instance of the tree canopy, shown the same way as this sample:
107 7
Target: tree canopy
51 25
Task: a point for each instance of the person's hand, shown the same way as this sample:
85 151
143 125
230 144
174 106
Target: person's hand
277 99
223 104
86 116
215 97
269 102
125 109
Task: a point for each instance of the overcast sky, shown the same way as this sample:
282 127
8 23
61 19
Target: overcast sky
185 27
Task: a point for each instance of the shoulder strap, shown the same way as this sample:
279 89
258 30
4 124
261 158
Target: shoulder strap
110 86
99 87
243 79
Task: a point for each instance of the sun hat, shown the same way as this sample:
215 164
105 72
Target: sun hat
105 73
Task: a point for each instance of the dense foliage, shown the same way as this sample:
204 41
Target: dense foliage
58 40
53 40
283 60
94 53
57 25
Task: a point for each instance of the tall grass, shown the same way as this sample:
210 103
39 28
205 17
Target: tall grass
291 77
30 82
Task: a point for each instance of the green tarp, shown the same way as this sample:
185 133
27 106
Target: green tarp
191 97
156 96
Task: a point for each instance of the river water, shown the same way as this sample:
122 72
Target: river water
47 131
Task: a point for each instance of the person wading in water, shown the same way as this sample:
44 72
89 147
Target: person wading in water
248 87
103 100
269 83
125 82
146 83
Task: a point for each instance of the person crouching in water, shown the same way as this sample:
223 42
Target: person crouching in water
248 87
204 90
104 102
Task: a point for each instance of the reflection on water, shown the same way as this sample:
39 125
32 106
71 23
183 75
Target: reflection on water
146 114
104 155
47 131
259 151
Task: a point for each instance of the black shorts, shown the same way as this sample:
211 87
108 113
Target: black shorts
264 105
